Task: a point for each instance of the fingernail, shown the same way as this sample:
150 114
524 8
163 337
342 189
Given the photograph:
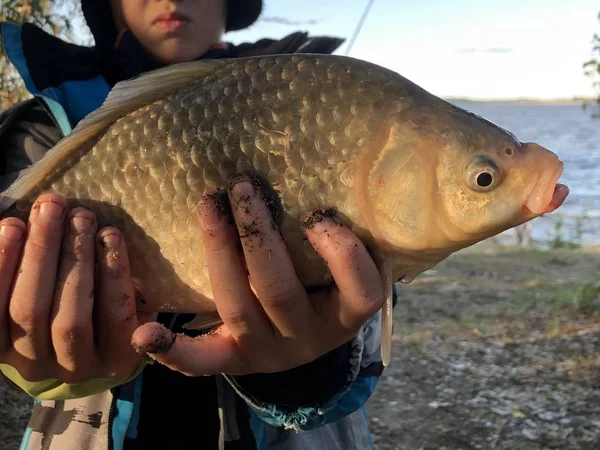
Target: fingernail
80 224
320 220
161 341
243 190
11 233
212 208
51 211
111 240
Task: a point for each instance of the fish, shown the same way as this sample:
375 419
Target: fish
415 177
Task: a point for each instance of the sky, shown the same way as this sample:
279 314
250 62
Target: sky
486 49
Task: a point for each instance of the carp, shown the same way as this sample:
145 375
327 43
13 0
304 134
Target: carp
415 177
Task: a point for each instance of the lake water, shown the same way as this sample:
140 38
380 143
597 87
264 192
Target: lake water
574 136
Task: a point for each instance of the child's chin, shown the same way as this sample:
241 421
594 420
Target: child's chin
172 52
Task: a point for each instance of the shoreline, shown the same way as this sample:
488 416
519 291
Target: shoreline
524 101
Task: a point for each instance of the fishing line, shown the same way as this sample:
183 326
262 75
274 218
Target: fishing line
359 26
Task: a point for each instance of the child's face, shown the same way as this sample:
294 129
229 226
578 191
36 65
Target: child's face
172 31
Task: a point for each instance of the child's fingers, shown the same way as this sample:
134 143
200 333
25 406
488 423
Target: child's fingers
116 311
12 234
72 329
235 301
272 272
205 355
354 271
31 300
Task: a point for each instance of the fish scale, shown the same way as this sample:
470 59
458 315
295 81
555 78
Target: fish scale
158 161
399 164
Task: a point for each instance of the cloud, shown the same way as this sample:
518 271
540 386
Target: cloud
490 50
499 50
285 21
466 50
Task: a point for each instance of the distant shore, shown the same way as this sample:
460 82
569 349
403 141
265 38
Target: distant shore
524 101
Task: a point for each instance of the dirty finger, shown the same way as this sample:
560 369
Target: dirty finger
272 272
72 330
116 317
236 303
31 299
354 271
12 234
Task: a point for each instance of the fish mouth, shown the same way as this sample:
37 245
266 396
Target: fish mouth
547 195
561 191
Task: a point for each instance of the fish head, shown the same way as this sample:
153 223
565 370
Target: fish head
445 179
494 183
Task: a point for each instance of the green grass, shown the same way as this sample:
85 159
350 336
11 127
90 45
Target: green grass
501 291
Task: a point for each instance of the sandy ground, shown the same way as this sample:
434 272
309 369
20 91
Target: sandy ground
495 349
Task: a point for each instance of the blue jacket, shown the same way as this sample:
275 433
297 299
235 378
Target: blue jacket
255 412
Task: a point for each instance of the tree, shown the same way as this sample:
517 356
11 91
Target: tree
591 68
62 18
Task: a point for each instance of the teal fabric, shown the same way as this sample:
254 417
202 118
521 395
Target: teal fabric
69 102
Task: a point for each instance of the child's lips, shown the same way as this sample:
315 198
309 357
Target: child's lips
171 21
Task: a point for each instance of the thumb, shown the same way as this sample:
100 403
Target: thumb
208 354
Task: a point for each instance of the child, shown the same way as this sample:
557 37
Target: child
279 393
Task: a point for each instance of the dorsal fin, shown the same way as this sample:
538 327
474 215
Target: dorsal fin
124 98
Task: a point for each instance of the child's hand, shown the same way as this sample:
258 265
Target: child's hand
47 294
282 326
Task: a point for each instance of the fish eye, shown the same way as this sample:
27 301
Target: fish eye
485 179
483 174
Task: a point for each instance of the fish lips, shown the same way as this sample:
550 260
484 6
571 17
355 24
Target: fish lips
548 195
561 191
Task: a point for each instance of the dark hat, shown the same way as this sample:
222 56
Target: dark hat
242 13
98 15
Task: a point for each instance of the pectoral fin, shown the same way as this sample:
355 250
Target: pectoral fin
387 319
